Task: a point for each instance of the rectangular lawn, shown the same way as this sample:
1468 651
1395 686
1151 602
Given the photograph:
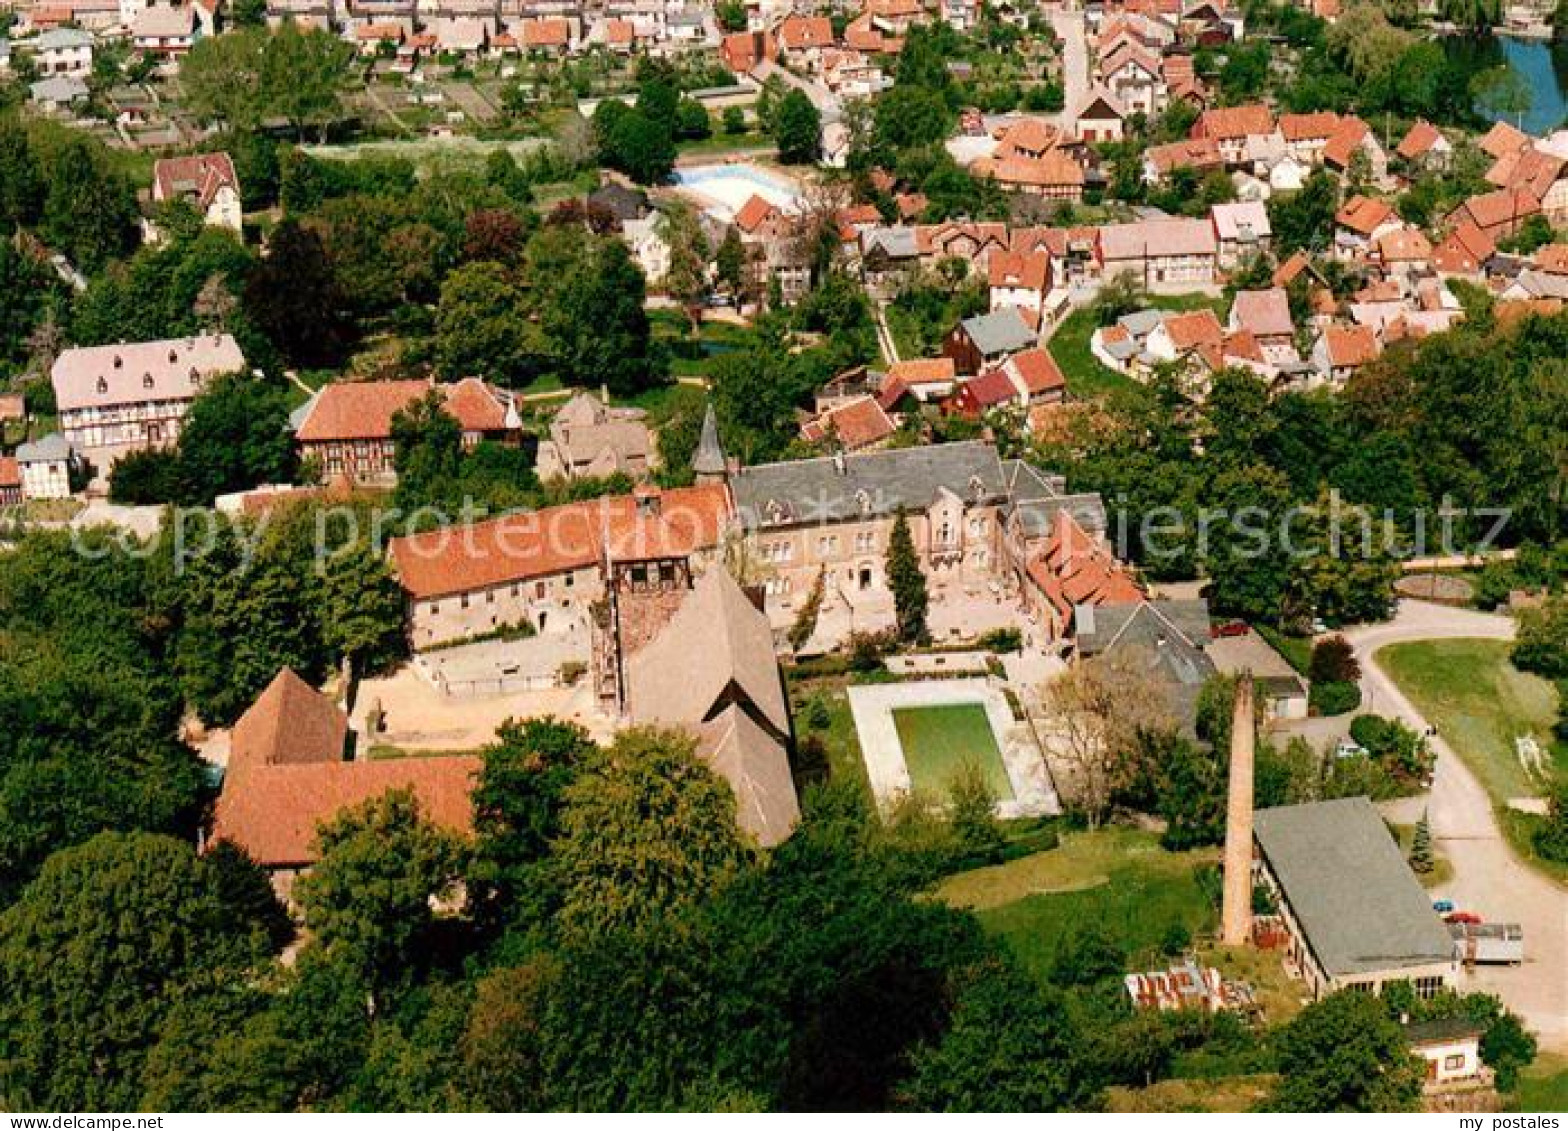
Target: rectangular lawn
938 740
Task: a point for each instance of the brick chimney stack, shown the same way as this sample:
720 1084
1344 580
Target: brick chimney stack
1236 910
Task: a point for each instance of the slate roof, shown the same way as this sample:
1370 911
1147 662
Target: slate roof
1345 880
44 449
870 483
133 372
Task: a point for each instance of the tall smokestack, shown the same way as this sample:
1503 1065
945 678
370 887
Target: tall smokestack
1236 911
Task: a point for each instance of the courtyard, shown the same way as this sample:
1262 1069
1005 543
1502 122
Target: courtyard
915 736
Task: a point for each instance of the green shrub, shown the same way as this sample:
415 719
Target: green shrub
1334 698
1002 640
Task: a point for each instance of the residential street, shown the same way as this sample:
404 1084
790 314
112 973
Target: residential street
1488 878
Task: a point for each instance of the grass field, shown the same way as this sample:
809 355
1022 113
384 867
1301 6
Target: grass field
1118 879
1543 1086
1229 1094
1480 703
937 741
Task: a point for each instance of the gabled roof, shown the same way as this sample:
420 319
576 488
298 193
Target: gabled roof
1350 346
1348 886
1308 127
1422 138
854 424
1001 331
133 372
650 525
273 811
1265 313
290 723
1019 271
800 33
987 390
1190 153
1495 209
1234 122
1363 214
1464 250
10 473
1502 138
1148 239
1036 370
363 410
1345 140
1193 328
754 213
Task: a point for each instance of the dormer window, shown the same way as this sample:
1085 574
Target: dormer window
103 385
117 361
146 380
195 379
977 487
173 356
863 501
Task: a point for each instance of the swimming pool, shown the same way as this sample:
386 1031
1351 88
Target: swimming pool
730 186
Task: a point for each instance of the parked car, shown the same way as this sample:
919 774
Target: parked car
1229 628
1463 917
1443 906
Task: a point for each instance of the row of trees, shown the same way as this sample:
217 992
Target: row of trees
1415 447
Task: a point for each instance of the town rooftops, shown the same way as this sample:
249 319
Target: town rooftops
1502 138
1348 886
869 484
158 22
648 526
858 423
1349 347
132 372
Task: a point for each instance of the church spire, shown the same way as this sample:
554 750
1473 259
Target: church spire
708 461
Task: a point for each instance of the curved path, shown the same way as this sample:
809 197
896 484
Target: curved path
1488 877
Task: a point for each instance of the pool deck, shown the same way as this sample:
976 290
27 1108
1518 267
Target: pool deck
724 188
872 707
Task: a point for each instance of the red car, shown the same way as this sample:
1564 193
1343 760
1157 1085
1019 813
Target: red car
1462 917
1229 628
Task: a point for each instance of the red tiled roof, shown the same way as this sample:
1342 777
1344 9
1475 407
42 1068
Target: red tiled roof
363 410
799 33
1026 272
1193 153
1264 313
1234 122
289 723
1194 328
10 472
1419 141
517 547
753 214
1496 209
1053 169
1553 258
922 370
273 812
1305 127
1363 214
1403 245
201 175
1351 346
1464 250
1073 569
546 33
1502 138
1344 141
1038 371
855 424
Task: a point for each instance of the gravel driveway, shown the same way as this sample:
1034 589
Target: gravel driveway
1488 877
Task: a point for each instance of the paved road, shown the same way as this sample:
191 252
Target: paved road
1488 878
1070 29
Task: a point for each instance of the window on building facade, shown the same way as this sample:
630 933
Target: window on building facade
463 601
1454 1061
1428 988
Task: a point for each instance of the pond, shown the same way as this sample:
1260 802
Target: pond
1542 65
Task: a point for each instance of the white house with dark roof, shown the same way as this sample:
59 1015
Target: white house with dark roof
207 181
121 398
